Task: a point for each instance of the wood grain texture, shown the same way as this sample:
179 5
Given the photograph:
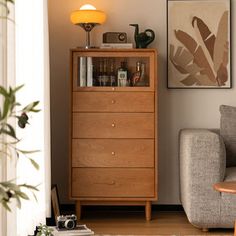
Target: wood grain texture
113 153
113 146
113 125
148 211
113 102
235 228
113 182
133 223
78 209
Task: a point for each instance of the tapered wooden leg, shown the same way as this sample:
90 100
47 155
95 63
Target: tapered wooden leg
148 210
235 228
78 210
205 229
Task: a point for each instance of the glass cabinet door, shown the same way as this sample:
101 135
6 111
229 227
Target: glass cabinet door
113 70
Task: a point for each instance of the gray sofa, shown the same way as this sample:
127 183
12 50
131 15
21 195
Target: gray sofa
203 163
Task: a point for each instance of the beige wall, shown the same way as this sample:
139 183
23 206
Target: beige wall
177 108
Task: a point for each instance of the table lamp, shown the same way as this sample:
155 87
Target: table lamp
87 17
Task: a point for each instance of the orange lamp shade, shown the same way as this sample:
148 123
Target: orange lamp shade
87 16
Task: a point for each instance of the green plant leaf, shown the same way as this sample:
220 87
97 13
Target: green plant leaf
10 185
5 205
3 194
6 108
28 152
11 1
35 198
3 91
34 163
4 131
31 107
18 201
18 88
22 195
29 187
11 132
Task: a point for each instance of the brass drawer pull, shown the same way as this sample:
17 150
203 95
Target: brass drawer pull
113 101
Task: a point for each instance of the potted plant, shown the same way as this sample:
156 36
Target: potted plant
11 112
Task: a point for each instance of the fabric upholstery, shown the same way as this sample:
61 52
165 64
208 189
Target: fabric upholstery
228 201
228 132
202 164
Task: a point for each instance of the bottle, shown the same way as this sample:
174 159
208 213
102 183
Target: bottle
105 77
122 74
137 74
100 73
142 80
112 76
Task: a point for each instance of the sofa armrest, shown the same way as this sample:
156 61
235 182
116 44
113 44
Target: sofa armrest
202 163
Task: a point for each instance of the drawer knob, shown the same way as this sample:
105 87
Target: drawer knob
113 89
113 124
113 153
113 101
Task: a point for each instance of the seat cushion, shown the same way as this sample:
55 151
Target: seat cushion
228 132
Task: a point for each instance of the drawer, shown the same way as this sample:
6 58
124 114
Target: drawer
113 101
113 153
113 125
112 182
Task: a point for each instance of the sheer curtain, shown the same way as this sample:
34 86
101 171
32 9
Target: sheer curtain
7 78
32 70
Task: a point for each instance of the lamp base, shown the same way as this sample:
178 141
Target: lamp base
87 27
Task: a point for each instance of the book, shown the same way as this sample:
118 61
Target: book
89 72
83 71
80 230
116 45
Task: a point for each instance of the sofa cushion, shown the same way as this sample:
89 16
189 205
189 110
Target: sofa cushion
228 132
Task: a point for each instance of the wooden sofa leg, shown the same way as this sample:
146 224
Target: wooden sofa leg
205 229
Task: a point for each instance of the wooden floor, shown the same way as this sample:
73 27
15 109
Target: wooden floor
133 223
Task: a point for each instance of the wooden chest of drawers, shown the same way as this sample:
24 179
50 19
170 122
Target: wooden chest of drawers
113 134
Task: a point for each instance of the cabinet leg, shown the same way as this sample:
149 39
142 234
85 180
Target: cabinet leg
78 209
148 210
235 228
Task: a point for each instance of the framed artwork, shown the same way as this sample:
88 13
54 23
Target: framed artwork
199 45
55 202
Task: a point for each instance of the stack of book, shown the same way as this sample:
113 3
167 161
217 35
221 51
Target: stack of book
86 72
117 45
80 230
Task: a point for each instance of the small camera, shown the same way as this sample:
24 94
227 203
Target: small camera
66 222
114 37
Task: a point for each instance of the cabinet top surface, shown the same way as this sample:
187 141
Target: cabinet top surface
114 50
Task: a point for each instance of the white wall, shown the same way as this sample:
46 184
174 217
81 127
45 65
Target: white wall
177 108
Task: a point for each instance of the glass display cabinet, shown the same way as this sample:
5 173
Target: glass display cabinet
113 127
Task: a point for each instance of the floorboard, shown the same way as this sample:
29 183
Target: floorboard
133 223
